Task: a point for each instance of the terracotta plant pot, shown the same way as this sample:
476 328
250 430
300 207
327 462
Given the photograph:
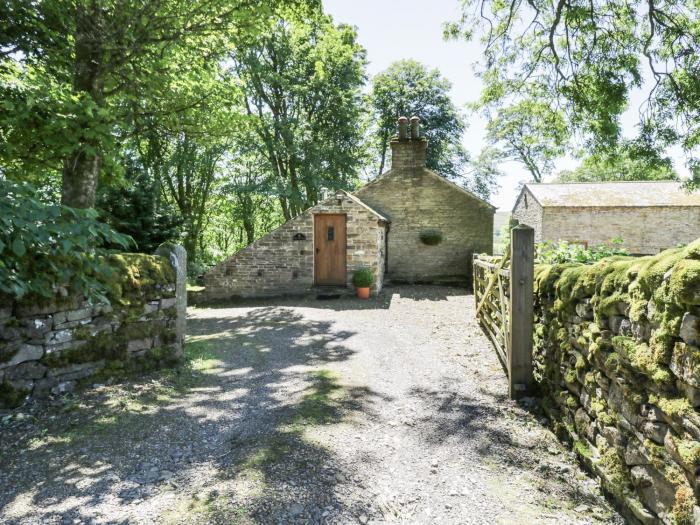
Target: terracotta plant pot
363 293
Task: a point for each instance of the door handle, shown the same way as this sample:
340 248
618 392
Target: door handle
318 250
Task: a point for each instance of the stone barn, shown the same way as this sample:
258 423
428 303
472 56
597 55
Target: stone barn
649 216
407 225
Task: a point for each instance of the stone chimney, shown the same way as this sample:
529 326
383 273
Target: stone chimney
408 151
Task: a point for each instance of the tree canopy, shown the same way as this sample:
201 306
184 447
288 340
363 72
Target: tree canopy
410 88
79 77
589 57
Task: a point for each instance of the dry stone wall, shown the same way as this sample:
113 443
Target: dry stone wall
282 262
49 346
617 354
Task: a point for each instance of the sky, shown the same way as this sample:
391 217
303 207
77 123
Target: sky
392 30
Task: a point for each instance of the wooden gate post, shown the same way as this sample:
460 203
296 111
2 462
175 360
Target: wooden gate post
521 317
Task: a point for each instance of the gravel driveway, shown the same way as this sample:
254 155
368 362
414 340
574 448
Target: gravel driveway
392 410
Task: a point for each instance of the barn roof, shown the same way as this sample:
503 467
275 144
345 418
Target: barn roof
613 194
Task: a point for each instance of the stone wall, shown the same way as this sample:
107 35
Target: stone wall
529 212
645 230
282 262
415 200
617 354
48 346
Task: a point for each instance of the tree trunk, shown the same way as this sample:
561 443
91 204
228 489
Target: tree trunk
249 226
81 168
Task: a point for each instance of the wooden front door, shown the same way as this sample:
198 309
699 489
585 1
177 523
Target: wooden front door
330 245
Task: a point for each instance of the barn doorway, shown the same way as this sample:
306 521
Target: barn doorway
330 249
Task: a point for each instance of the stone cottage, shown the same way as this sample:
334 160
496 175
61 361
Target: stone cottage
407 225
649 216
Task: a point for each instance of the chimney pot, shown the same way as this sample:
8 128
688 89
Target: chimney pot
403 128
415 123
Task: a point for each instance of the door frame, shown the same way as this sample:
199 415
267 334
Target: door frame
345 249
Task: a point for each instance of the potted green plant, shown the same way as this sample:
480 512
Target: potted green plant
363 278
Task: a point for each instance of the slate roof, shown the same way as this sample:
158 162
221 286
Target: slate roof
613 194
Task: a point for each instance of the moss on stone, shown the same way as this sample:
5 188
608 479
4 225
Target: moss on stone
688 451
136 276
643 359
682 511
598 405
684 284
606 418
612 362
582 449
11 397
589 379
616 477
575 284
674 407
7 351
663 463
100 346
692 251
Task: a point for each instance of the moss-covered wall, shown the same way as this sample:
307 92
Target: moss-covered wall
49 346
617 354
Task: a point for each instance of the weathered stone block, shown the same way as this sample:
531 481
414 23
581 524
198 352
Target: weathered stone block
685 363
151 307
615 322
139 344
583 424
168 303
635 453
27 370
37 327
653 488
77 315
612 436
584 310
655 431
102 309
641 331
52 348
690 329
58 336
26 352
75 371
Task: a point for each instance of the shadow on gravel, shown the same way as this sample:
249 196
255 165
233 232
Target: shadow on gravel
227 410
491 429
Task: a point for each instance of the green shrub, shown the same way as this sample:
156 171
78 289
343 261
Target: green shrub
363 278
44 247
431 237
565 252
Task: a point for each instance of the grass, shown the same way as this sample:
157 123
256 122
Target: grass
216 510
322 403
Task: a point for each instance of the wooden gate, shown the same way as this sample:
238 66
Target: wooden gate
503 291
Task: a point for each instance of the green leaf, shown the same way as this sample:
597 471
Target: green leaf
18 247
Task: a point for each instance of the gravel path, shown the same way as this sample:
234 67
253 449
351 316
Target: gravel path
303 411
